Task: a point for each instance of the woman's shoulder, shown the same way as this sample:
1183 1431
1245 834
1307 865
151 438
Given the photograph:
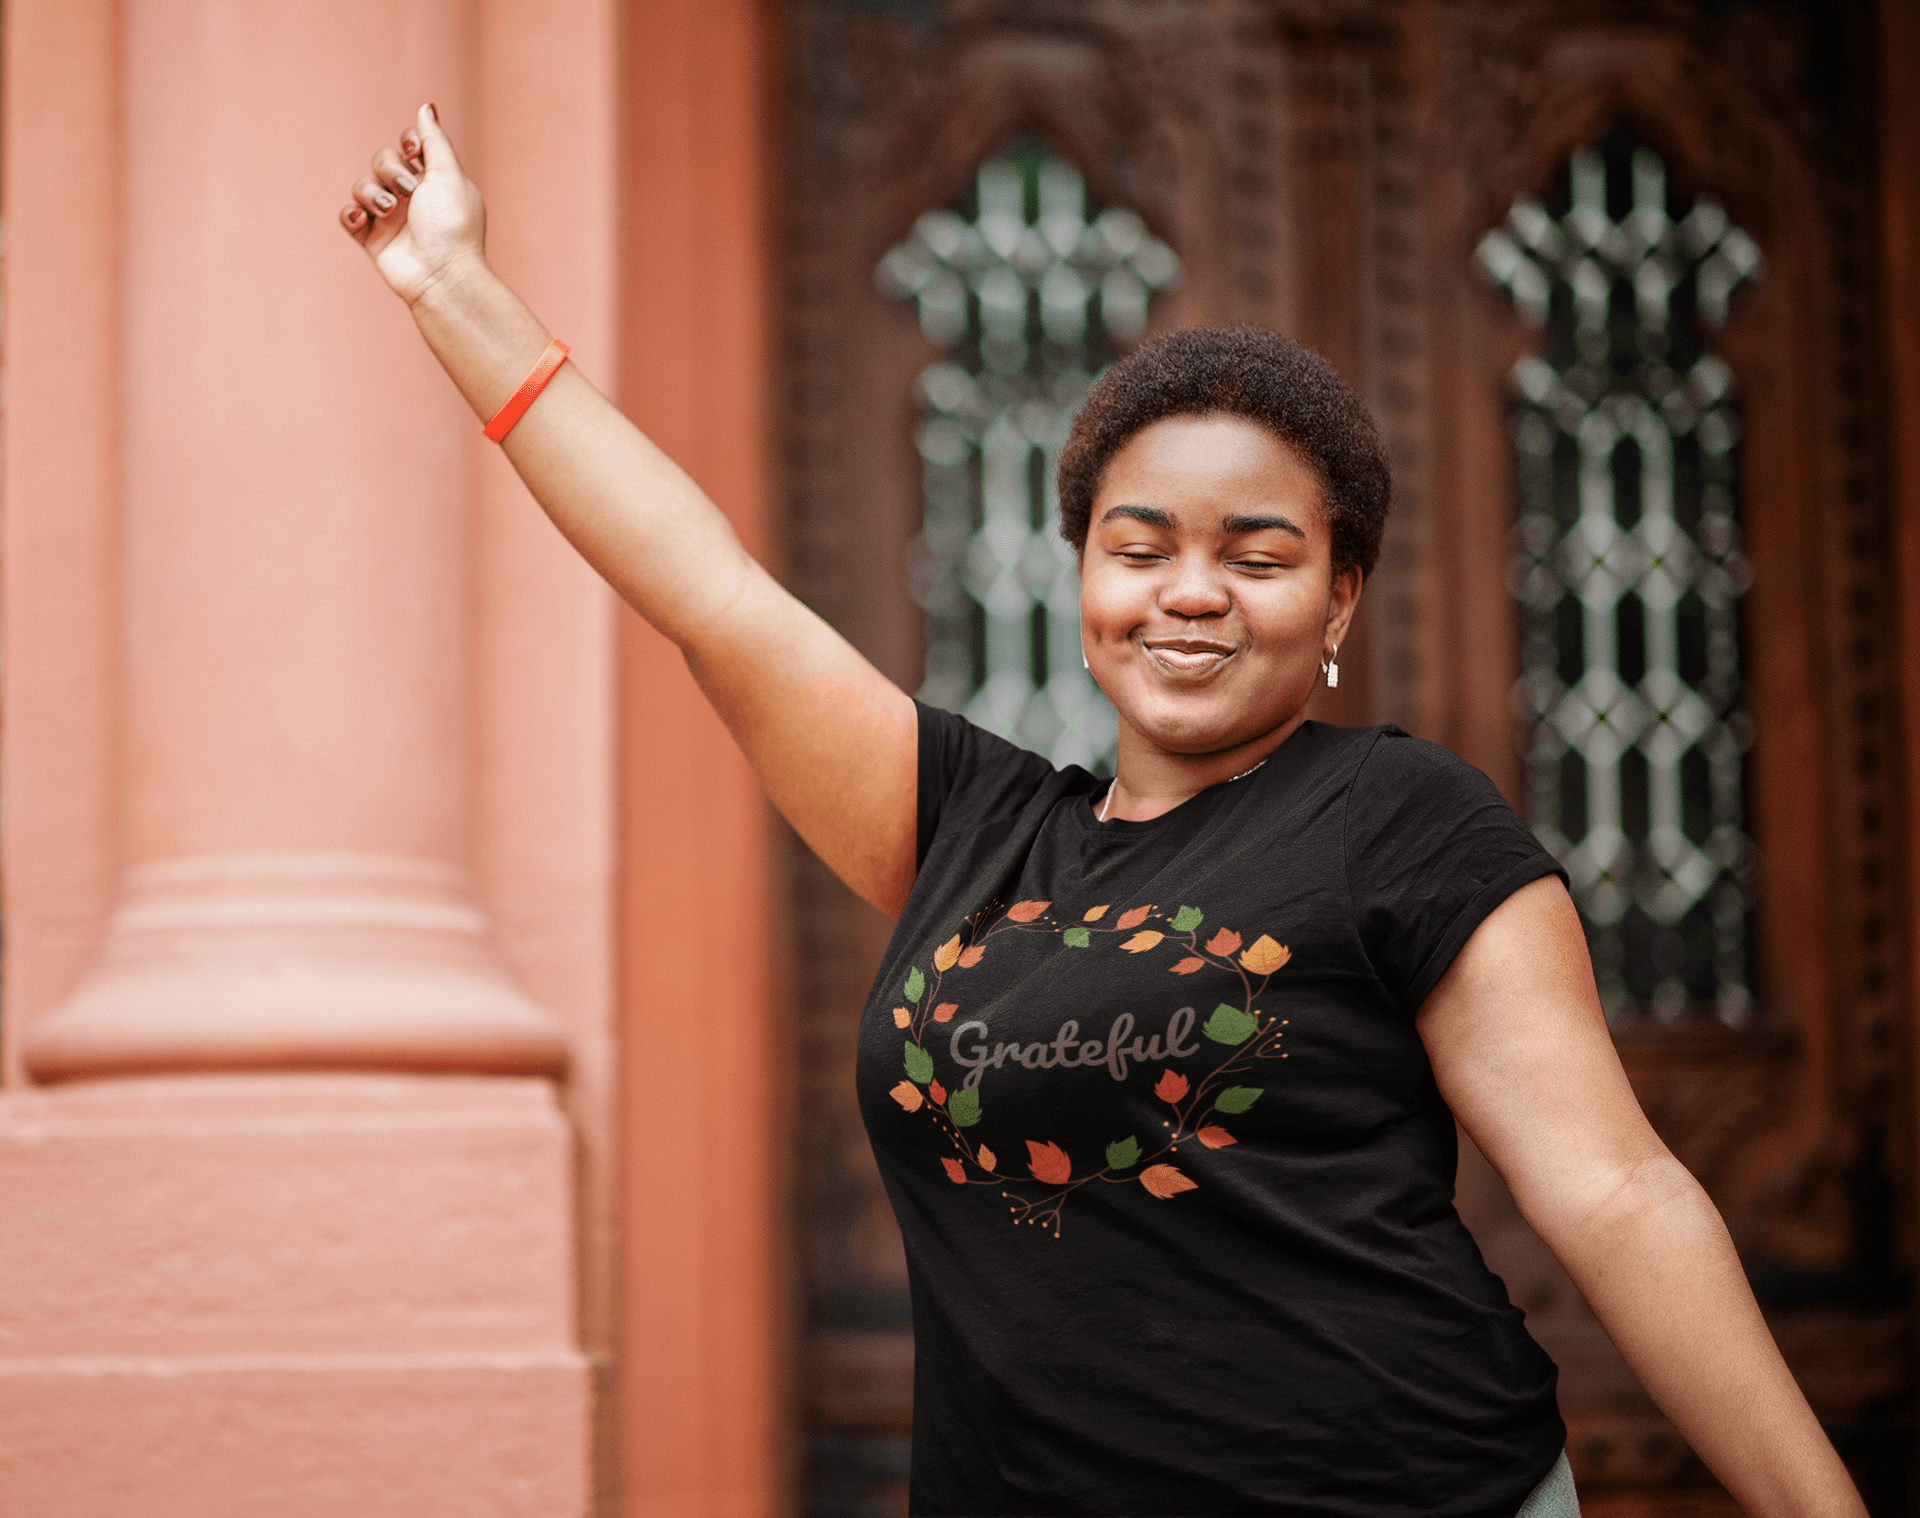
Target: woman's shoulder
1389 757
969 775
1383 755
1388 780
955 746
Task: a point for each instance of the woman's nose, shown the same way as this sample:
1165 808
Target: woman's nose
1196 588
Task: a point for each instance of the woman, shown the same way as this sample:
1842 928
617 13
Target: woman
1162 1073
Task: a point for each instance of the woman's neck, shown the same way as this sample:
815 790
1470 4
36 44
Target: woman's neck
1150 781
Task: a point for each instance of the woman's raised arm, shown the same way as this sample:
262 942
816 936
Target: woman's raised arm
835 742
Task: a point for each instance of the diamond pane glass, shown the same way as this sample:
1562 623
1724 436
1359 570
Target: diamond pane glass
1629 575
1032 297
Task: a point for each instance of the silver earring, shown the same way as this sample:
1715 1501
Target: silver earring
1332 669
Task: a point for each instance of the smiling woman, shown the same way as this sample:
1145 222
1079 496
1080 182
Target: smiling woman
1300 953
1226 493
1208 600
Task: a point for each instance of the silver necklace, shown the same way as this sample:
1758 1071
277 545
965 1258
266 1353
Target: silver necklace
1116 781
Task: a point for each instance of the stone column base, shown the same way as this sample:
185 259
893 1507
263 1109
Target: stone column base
316 1295
494 1436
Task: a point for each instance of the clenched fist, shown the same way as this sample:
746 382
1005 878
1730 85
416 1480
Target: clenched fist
417 214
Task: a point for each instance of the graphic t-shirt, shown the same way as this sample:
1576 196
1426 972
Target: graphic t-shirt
1174 1179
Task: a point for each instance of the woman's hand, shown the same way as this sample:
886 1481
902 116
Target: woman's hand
417 214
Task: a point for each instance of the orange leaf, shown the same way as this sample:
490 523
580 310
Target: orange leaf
1215 1137
1172 1086
901 1017
946 954
939 1093
957 1173
971 957
907 1095
1049 1163
1026 911
1265 956
1163 1181
1188 965
1141 942
944 1012
1222 943
1095 915
1134 918
985 1157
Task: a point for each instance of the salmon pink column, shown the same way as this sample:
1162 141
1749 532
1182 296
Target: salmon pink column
706 1406
313 1249
295 763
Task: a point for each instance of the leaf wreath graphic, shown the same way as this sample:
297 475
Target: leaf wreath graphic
1049 1163
1249 1032
1165 1182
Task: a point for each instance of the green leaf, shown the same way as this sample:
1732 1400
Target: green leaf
1237 1098
1123 1155
919 1063
1187 919
963 1106
916 984
1229 1025
1076 938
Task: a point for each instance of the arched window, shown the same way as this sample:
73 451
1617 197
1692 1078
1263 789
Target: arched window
1629 574
1032 298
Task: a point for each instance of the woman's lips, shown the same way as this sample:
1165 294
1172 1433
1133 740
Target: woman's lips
1187 656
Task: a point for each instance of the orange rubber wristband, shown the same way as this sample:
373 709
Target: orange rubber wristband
529 391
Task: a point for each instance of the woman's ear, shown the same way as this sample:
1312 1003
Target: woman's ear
1343 596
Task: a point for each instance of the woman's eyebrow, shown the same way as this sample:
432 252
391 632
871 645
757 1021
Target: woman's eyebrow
1262 524
1153 516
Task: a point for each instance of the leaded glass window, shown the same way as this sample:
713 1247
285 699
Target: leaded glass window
1031 297
1629 574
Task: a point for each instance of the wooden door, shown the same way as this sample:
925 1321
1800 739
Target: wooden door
1333 169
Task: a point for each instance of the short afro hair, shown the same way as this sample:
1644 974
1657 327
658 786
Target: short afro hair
1249 372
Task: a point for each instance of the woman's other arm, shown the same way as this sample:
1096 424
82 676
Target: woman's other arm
834 741
1521 1052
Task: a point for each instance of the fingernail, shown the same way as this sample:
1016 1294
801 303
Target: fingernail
356 216
384 201
433 110
408 184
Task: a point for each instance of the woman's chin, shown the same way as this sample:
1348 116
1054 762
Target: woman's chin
1196 725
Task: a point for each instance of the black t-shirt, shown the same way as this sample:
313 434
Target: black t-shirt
1174 1179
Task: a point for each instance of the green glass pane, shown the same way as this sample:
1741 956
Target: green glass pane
1629 573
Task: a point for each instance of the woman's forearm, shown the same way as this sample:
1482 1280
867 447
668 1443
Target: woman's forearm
1655 1262
628 508
484 335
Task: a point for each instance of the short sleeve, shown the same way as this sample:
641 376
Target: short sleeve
1431 849
967 776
